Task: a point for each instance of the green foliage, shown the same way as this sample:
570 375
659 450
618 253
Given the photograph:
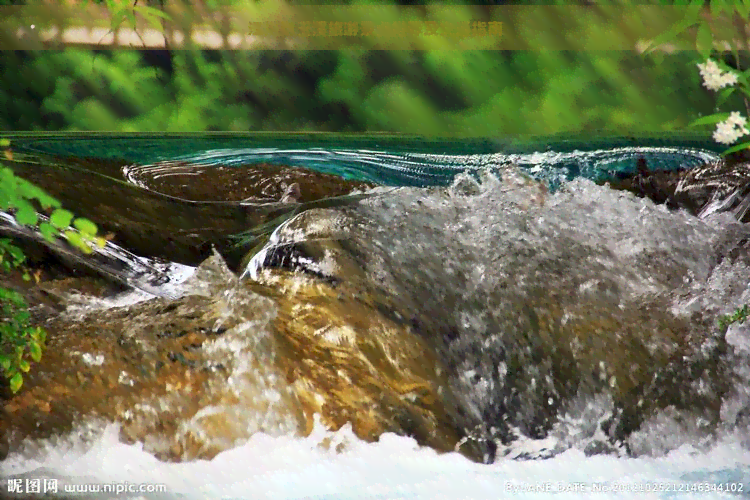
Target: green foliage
737 147
436 91
710 119
20 196
456 92
728 15
10 256
127 11
738 316
20 341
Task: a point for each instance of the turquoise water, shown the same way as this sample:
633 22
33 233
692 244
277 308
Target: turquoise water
386 159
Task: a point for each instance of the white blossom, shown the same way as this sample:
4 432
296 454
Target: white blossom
736 119
714 78
731 129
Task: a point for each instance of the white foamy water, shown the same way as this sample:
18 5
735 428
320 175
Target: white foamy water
394 468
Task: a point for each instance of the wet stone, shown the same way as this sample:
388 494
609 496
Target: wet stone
722 186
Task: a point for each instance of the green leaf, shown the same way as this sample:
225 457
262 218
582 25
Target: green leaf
75 239
24 366
671 34
4 142
85 226
16 253
718 7
34 335
26 214
6 196
61 218
36 351
131 17
151 12
738 147
48 231
704 40
742 77
724 94
7 178
4 362
22 316
11 296
117 18
28 190
154 23
16 381
710 119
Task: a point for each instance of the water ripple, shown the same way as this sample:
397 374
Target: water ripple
424 169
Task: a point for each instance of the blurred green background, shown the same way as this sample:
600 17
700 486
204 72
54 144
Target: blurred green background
453 93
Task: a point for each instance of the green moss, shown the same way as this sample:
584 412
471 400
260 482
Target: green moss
738 316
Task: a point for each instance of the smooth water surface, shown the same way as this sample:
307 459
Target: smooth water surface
389 160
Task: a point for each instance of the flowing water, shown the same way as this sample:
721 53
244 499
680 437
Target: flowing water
477 320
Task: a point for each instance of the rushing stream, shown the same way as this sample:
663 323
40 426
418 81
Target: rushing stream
424 320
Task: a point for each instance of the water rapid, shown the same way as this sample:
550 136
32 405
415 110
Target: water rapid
502 326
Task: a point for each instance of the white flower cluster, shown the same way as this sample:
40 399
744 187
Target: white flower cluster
714 78
731 129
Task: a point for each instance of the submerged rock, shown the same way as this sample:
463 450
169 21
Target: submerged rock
723 186
187 377
255 183
178 210
194 376
292 194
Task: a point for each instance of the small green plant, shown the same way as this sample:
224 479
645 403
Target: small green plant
20 341
11 257
738 316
